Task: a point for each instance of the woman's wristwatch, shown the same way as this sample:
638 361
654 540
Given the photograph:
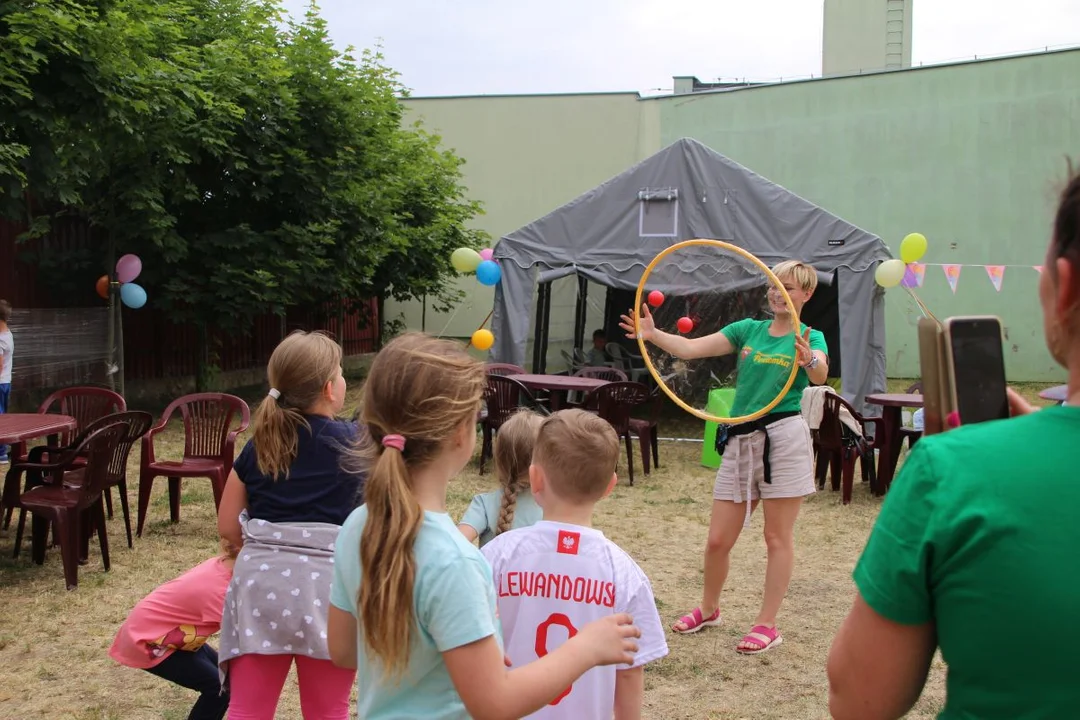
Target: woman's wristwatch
813 362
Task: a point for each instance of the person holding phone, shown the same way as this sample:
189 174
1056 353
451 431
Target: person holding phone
975 550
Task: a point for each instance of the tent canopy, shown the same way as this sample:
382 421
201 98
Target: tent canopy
611 233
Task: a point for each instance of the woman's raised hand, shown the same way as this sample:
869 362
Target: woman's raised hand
645 325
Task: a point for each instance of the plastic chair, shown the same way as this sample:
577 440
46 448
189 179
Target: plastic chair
911 434
72 509
504 369
616 401
632 364
503 395
838 446
648 430
86 404
209 442
137 423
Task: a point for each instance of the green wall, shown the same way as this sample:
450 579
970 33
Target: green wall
968 154
526 156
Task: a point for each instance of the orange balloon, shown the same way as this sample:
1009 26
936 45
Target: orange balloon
103 287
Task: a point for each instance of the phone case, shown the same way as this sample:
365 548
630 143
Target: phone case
935 378
950 415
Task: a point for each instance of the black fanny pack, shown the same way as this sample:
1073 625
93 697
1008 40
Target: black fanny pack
725 432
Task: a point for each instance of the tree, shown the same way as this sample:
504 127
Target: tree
251 165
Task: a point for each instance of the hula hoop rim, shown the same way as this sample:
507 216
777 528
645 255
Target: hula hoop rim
775 281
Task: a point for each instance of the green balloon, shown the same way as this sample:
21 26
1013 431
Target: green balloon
912 247
465 260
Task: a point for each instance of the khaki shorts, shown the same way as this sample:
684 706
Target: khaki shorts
742 472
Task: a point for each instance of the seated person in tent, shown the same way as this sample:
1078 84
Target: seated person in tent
598 355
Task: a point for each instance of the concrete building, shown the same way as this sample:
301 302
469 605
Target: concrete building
866 36
966 153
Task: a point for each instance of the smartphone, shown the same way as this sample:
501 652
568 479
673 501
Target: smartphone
935 380
975 363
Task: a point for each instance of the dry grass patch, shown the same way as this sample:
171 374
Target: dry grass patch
53 643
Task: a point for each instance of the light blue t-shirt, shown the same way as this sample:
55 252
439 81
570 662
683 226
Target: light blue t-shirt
483 512
453 603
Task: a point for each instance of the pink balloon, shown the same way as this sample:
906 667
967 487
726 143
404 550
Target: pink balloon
487 253
128 268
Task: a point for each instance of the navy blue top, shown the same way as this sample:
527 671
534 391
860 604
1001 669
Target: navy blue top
317 489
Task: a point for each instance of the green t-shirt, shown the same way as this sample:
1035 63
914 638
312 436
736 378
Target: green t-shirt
764 363
979 534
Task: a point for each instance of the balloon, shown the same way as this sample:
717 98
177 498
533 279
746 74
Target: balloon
488 272
133 295
128 268
482 339
890 273
465 260
912 247
656 298
685 325
103 287
487 254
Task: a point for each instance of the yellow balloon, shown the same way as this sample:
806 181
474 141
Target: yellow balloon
912 247
482 339
890 273
465 260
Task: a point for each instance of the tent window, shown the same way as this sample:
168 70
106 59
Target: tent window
658 213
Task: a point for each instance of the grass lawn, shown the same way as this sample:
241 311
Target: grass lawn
53 643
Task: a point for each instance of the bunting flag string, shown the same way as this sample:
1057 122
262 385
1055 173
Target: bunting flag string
997 275
952 274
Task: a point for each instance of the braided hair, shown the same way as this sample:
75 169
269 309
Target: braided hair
513 455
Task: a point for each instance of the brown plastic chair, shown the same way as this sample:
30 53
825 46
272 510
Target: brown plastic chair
84 403
616 402
838 446
503 395
209 444
648 430
137 423
504 369
74 510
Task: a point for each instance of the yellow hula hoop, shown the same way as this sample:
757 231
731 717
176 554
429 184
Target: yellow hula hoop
700 242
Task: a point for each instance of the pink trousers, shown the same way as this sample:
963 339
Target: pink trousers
255 683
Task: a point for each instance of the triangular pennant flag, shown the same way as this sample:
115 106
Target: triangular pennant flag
997 275
914 274
952 274
1038 268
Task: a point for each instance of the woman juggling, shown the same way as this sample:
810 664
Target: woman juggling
769 460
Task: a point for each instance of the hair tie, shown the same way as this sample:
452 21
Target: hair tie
274 393
394 441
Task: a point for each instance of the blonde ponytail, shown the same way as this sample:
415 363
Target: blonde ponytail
299 369
419 392
513 455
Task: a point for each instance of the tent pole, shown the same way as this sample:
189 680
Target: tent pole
538 331
546 329
580 311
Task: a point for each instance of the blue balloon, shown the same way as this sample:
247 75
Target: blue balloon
488 273
132 295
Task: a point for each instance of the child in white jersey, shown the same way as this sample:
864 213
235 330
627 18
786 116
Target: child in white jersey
560 574
413 606
512 505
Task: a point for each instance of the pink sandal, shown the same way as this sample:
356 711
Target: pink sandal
764 637
694 621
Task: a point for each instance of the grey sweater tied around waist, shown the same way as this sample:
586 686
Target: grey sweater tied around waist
279 596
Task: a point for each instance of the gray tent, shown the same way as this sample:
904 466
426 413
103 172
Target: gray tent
609 234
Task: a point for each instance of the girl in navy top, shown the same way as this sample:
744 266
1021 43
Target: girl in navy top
288 484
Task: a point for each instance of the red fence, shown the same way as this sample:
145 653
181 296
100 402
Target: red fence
156 348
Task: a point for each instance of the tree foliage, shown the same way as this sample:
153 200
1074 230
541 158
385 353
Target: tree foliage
250 164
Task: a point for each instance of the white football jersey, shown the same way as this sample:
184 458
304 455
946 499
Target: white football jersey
552 580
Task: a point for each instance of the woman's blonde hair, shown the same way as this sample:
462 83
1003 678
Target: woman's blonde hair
424 390
513 455
798 272
299 369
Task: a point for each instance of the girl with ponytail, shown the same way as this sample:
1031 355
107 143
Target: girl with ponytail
412 601
284 503
512 506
